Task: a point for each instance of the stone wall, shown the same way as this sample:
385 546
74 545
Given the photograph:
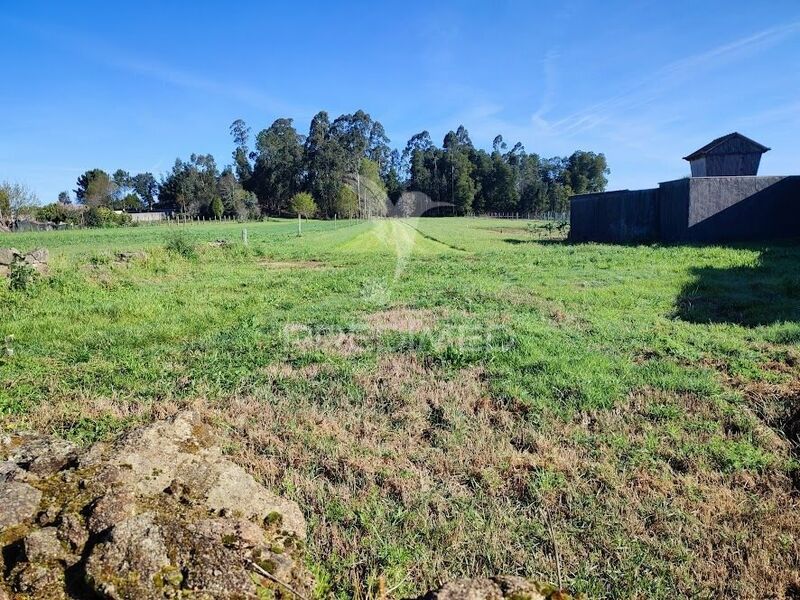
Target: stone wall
36 259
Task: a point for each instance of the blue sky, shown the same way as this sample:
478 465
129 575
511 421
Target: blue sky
134 85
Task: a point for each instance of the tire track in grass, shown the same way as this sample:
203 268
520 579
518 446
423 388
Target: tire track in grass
433 239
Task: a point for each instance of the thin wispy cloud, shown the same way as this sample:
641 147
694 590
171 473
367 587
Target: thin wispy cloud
104 53
657 84
549 74
785 113
190 81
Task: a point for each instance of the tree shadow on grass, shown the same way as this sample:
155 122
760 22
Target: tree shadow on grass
544 241
750 296
565 241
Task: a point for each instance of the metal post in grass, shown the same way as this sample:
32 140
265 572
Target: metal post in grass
244 236
299 225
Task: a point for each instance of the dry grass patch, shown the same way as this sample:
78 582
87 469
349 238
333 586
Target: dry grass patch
338 344
413 475
282 265
417 442
404 320
91 416
426 476
635 474
287 371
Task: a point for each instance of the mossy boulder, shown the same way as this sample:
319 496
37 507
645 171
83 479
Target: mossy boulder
160 514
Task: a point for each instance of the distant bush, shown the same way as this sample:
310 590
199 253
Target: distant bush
60 213
178 243
100 216
303 204
97 216
216 207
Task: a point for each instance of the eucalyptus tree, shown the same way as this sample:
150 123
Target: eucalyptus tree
324 161
278 168
241 154
191 186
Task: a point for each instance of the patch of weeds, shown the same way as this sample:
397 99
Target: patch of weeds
8 346
87 431
97 260
21 276
178 243
660 411
788 333
738 455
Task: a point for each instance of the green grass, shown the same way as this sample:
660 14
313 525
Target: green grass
429 389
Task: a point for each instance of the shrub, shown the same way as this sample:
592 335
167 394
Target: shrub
303 204
216 207
346 202
21 275
60 213
100 216
178 243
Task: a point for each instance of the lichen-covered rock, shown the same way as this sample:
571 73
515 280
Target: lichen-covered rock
126 565
37 581
8 470
160 514
20 502
114 507
9 255
38 256
39 454
497 588
43 546
36 259
72 531
180 456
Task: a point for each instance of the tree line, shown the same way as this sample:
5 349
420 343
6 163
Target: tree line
347 167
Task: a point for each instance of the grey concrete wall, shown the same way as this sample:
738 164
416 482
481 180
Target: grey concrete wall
145 217
623 216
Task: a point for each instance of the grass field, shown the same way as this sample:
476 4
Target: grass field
433 392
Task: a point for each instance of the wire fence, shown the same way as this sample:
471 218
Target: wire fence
559 217
23 226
